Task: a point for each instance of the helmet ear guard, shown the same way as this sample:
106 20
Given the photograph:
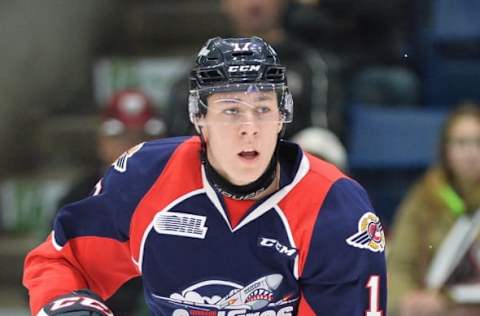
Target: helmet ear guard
194 112
286 106
193 108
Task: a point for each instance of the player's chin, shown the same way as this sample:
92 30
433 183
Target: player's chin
246 176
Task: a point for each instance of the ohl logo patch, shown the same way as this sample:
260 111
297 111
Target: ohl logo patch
370 234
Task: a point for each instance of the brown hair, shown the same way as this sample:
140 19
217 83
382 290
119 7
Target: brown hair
461 110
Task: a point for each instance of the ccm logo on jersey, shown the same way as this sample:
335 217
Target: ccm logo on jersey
180 224
244 68
272 243
370 234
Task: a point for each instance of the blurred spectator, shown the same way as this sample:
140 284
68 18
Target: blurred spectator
324 144
127 120
447 196
362 32
372 40
307 70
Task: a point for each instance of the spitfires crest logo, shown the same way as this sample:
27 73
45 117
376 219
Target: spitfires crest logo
370 234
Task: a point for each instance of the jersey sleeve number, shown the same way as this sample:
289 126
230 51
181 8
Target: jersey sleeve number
373 286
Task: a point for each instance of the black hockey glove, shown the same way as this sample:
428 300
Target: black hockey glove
77 303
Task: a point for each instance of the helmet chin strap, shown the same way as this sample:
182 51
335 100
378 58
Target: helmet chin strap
239 192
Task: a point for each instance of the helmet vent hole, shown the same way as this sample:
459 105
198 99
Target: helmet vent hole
275 73
210 76
242 54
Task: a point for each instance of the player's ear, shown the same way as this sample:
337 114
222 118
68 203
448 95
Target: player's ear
279 127
202 130
199 124
197 129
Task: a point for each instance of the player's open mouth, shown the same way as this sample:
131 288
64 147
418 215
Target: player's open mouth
249 154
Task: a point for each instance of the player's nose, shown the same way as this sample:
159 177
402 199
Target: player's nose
248 127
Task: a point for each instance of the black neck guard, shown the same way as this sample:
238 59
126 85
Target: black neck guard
240 192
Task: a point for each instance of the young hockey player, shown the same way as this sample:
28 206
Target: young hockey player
233 221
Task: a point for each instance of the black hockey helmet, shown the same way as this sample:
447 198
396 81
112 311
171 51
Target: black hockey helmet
237 64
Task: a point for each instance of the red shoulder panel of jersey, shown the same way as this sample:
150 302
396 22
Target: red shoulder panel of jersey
174 182
50 272
299 204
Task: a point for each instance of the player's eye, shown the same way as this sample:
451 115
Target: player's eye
262 109
231 111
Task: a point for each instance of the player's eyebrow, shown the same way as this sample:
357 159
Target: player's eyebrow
263 97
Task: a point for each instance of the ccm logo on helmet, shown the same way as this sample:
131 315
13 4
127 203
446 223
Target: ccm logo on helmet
244 68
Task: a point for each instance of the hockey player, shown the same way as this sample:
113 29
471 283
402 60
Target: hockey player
234 221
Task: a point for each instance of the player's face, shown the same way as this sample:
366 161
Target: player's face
254 16
463 149
241 131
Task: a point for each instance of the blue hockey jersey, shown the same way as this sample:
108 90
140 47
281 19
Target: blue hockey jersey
314 247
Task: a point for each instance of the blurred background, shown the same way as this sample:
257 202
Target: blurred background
373 82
